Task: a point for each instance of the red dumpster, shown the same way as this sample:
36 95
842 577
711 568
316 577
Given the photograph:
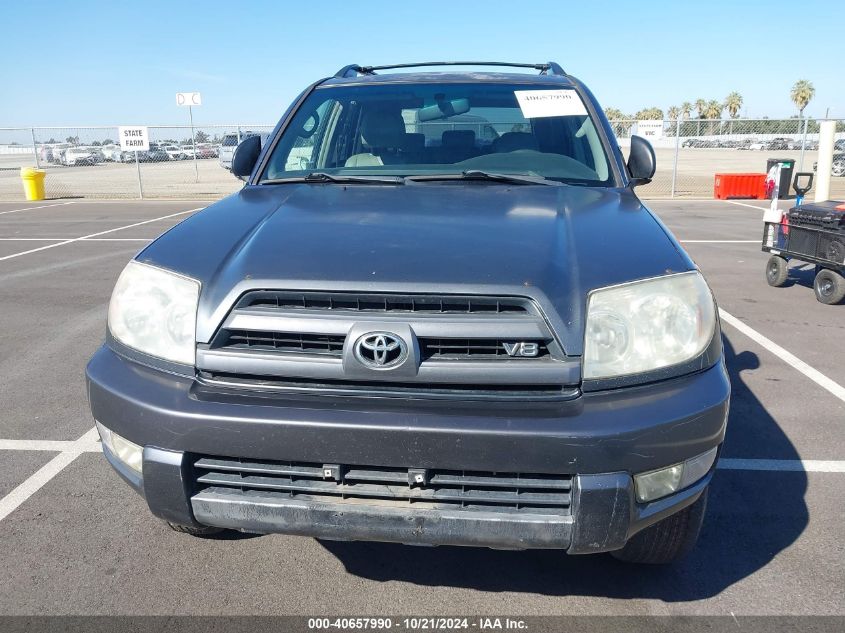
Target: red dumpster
739 186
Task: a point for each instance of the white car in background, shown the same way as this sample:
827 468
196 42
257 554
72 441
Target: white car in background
175 152
111 152
75 156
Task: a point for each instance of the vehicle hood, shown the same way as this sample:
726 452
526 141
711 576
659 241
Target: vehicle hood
552 244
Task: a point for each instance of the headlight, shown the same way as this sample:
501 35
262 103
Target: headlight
155 311
647 325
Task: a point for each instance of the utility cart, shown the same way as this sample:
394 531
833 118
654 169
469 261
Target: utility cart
813 233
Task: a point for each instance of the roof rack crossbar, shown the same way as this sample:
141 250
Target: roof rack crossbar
352 70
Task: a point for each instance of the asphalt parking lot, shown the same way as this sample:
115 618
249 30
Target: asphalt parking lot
74 539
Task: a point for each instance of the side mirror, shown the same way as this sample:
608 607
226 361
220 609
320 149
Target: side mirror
245 156
641 161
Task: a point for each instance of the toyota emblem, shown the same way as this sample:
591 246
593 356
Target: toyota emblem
380 350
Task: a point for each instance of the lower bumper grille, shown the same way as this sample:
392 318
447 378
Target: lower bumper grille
384 486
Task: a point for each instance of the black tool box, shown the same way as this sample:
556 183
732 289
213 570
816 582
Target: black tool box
829 215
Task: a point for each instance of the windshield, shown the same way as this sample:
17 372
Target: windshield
432 129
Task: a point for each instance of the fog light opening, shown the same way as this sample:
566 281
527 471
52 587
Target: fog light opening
665 481
127 452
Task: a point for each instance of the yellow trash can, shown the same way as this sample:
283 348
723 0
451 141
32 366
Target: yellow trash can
33 182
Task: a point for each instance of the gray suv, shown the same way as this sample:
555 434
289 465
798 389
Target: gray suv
436 313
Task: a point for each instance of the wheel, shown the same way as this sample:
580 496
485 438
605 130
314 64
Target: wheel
203 530
668 540
777 270
829 287
838 168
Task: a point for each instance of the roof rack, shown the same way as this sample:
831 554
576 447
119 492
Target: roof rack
353 70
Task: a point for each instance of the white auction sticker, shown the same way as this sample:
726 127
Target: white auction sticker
540 103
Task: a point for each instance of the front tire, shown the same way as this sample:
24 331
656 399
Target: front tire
838 168
777 271
829 287
668 540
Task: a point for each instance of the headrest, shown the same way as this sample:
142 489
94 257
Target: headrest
510 141
413 142
383 128
457 138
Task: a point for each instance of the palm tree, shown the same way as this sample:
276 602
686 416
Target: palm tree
713 110
673 113
733 102
651 114
700 106
614 114
802 93
686 108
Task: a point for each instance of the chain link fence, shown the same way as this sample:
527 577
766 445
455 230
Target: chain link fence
87 161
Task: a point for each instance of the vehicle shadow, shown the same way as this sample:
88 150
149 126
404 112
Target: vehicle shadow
752 516
802 275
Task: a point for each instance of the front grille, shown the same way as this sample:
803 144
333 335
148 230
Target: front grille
283 342
474 349
458 346
353 302
387 486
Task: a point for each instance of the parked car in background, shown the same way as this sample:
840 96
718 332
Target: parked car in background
206 150
756 145
45 154
174 152
778 143
156 154
111 152
227 149
76 156
837 168
230 143
57 152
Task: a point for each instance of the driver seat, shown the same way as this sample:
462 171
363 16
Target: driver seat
383 133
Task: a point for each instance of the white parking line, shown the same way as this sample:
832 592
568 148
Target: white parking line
43 475
88 237
43 206
720 241
745 204
790 359
785 465
53 446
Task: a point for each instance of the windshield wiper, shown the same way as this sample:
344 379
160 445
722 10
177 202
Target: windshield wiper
477 174
321 176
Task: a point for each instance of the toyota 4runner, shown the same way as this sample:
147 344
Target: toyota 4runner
436 313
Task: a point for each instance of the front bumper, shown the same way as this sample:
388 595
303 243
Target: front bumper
603 437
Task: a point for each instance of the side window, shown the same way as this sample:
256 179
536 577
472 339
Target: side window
312 132
305 143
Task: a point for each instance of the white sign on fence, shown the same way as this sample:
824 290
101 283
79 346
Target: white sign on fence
649 129
188 99
134 138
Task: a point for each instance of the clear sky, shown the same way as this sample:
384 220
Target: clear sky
82 62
